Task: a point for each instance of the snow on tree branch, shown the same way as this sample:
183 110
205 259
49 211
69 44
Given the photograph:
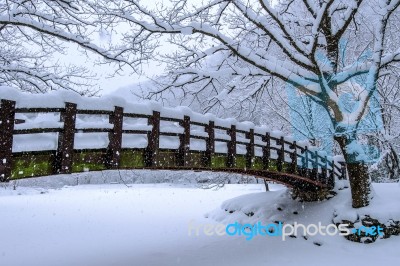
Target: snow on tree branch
30 30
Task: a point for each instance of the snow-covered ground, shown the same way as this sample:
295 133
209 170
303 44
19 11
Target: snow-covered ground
148 224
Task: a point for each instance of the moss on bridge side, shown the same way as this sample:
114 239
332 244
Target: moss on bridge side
240 161
257 163
32 164
166 158
273 166
196 159
88 161
218 161
132 159
287 168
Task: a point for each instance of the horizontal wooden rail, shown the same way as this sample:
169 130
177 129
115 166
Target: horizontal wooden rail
130 115
93 112
168 119
36 131
38 110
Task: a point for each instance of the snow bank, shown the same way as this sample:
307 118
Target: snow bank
148 225
278 206
384 206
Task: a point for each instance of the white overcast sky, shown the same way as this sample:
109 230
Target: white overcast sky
107 84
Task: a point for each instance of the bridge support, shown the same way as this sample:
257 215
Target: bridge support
66 138
210 144
250 149
266 151
314 171
115 139
231 162
305 163
281 154
331 180
184 143
153 138
7 120
294 158
343 171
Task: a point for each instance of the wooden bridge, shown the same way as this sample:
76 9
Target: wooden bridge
278 159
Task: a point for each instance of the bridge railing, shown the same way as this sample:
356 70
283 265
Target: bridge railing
292 158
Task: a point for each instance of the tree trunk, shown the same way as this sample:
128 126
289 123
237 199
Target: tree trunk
359 183
358 176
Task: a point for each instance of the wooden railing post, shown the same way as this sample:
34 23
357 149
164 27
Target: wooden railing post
115 139
7 120
153 141
326 171
343 171
315 166
184 143
231 162
210 144
250 149
281 154
266 151
331 180
293 157
66 138
305 161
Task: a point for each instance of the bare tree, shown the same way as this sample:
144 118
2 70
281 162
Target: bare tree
296 41
33 31
387 167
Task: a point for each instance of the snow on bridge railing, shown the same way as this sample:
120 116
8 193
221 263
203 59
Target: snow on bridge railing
64 120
